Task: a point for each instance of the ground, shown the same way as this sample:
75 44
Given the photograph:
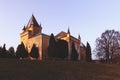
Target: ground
12 69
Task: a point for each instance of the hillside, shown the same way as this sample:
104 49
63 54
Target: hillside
11 69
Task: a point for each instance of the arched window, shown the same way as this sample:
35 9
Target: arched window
28 45
36 44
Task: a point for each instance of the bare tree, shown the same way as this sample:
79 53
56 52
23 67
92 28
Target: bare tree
108 45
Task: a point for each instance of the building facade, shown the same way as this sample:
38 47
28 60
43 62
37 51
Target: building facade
32 34
70 39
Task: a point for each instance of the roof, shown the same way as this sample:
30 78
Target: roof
64 34
33 22
36 35
82 45
24 28
61 34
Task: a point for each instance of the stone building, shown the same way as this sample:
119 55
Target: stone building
70 39
32 34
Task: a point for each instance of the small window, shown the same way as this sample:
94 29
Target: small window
28 45
36 44
23 39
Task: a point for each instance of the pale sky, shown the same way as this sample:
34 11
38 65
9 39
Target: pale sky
89 18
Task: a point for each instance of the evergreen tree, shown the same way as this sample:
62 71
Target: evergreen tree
25 53
4 51
88 53
1 49
34 52
52 46
74 54
11 52
18 51
62 49
21 51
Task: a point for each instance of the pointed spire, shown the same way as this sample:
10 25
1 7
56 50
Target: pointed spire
24 28
40 25
33 22
79 36
68 31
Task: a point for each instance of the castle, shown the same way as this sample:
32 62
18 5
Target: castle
32 34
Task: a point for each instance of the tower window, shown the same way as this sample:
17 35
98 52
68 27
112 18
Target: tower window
28 45
23 39
36 44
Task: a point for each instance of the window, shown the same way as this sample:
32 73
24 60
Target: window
36 44
23 39
28 45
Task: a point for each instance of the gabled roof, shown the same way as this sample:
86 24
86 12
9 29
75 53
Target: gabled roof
82 45
36 35
61 34
33 22
64 34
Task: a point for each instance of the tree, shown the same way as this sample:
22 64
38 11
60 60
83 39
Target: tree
1 51
74 54
25 53
34 52
4 51
11 52
88 53
21 51
108 45
52 46
62 49
18 51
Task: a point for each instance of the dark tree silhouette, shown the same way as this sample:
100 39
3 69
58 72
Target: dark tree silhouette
74 54
52 46
88 53
1 49
11 52
34 52
21 51
62 49
108 45
25 53
4 51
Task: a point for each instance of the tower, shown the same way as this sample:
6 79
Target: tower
32 34
30 30
33 26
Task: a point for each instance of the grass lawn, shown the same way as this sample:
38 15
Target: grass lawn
12 69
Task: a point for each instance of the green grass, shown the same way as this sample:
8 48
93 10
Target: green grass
11 69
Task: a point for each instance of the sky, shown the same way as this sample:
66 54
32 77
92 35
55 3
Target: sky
89 18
